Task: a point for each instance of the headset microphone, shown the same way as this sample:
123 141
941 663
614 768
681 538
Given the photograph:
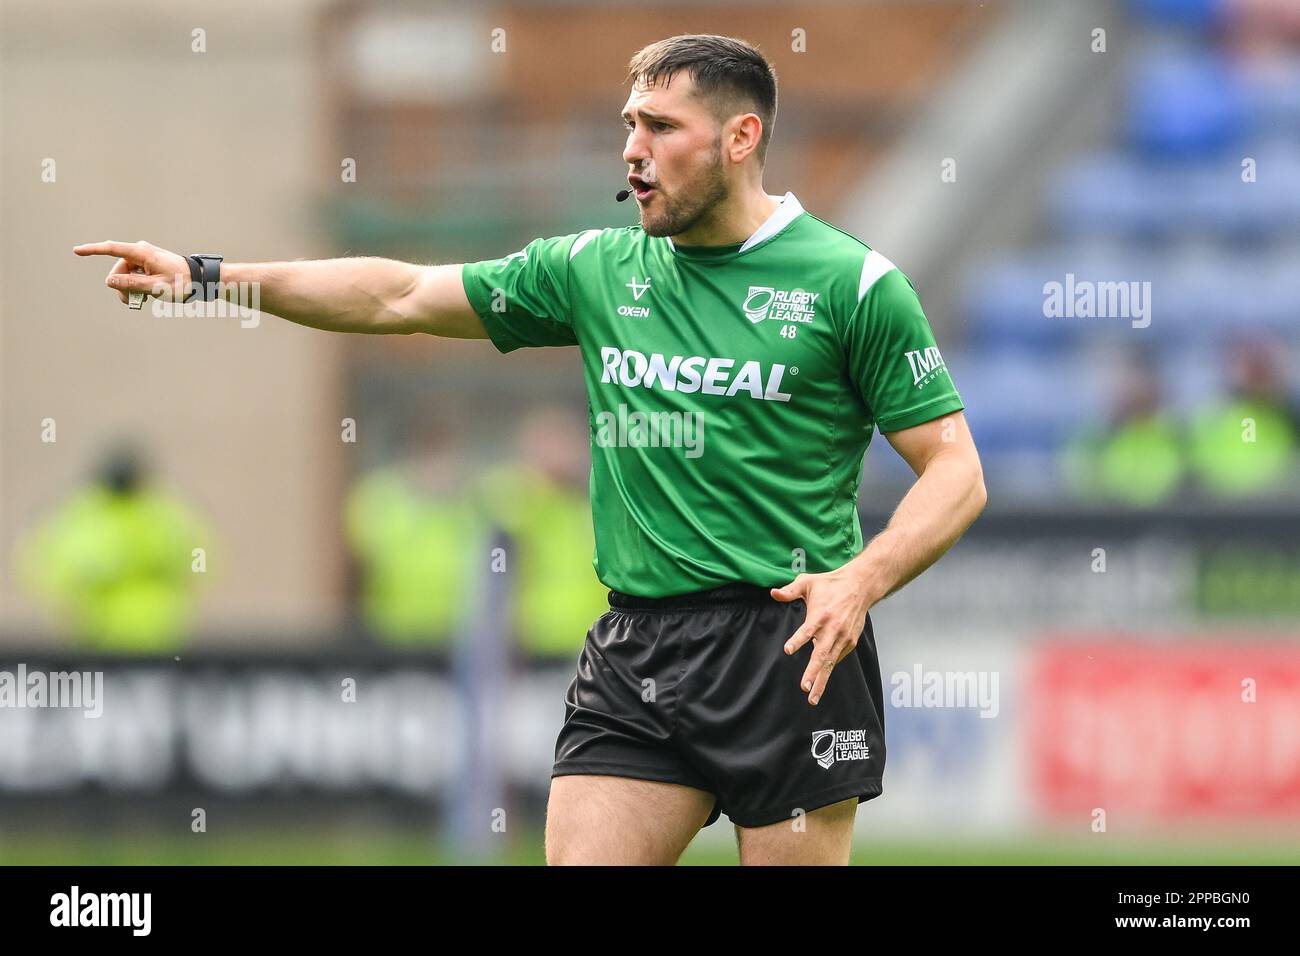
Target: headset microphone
622 194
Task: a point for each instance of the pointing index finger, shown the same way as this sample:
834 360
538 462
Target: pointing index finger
123 250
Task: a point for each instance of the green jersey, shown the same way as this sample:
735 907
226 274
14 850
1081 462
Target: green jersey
732 390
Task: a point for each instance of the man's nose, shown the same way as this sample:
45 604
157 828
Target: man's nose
635 152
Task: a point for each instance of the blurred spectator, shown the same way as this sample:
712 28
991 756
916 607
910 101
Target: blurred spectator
541 502
1138 456
1246 445
116 562
413 527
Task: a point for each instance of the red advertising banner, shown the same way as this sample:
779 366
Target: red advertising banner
1176 729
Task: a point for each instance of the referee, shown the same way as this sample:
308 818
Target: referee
738 354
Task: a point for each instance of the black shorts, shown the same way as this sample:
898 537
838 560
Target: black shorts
697 690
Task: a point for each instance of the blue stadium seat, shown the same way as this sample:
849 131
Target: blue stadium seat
1270 92
1117 193
1191 375
1126 196
1184 105
1018 398
1199 14
1005 303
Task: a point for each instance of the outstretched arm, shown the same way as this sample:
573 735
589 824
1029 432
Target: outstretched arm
371 295
946 498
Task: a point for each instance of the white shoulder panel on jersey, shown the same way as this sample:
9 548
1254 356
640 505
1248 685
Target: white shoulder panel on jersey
582 240
873 267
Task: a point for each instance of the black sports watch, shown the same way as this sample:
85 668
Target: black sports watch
205 273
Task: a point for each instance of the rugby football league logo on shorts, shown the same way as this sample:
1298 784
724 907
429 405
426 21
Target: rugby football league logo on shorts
829 746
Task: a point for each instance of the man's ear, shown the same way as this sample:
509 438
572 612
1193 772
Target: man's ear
744 133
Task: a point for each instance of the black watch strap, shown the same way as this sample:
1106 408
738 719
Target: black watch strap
205 273
196 279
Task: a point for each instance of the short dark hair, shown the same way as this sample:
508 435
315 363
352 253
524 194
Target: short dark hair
731 73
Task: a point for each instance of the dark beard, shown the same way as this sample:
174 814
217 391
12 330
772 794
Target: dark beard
684 214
